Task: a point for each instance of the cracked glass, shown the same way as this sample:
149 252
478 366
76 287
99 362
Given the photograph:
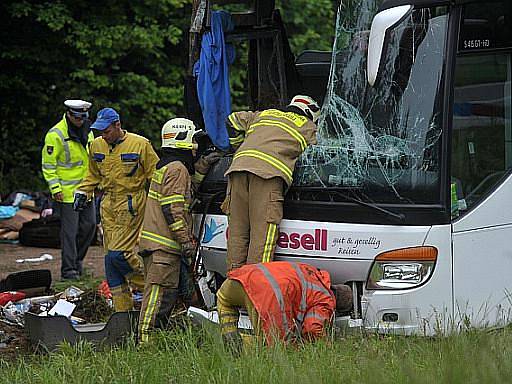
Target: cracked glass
382 143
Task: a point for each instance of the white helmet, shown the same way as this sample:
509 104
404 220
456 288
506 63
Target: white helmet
307 105
178 133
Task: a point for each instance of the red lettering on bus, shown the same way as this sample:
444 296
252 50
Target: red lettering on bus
307 241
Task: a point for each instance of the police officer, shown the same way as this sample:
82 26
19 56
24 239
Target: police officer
121 163
269 143
64 164
167 236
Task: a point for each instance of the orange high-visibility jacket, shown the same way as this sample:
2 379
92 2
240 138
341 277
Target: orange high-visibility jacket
291 299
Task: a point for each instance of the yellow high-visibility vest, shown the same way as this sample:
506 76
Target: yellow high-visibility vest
64 162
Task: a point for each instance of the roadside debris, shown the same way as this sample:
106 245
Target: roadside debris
13 313
104 290
33 282
46 333
43 257
90 305
18 209
343 325
13 296
62 307
70 315
200 316
5 339
13 341
71 293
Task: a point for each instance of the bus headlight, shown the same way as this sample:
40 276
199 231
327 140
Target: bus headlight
402 268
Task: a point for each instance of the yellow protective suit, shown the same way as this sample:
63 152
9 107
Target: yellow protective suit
122 171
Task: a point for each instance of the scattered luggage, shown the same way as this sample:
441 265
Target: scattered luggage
27 281
43 233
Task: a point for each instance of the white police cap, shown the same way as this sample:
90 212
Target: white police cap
78 105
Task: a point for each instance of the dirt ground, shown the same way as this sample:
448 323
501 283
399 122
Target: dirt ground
13 341
9 253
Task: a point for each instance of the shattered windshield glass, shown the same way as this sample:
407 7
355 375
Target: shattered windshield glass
382 143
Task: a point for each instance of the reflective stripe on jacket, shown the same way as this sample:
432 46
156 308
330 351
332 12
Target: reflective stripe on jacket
170 190
64 162
290 298
270 142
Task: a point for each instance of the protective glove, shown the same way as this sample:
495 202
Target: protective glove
188 251
213 157
80 201
203 141
203 164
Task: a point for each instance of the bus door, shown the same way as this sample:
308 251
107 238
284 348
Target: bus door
481 161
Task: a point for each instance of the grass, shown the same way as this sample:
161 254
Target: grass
192 355
198 356
87 281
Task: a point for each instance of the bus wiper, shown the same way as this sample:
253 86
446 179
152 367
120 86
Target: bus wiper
398 216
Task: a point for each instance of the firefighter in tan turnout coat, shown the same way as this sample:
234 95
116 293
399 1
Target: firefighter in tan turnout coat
270 143
167 230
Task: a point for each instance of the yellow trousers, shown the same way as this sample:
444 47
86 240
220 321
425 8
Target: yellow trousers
230 297
122 216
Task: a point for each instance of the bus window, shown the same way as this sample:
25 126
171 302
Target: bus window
486 26
382 143
482 126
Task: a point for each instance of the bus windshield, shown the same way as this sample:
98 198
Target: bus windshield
382 143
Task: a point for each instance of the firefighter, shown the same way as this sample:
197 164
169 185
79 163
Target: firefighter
285 301
269 143
121 163
64 164
167 242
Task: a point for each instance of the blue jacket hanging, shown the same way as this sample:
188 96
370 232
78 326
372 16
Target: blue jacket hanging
212 75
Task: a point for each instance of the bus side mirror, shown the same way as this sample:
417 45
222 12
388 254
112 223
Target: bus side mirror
381 23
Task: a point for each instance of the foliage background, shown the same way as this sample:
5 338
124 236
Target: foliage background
130 55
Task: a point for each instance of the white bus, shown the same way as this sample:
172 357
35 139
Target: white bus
408 195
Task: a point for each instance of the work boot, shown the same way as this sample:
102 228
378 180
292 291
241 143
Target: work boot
70 277
157 314
248 340
123 301
165 317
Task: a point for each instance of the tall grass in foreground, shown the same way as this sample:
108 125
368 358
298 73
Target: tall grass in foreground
198 356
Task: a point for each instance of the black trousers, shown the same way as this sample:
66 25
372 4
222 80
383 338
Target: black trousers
76 234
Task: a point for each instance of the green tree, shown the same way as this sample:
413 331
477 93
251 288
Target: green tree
130 55
309 24
124 54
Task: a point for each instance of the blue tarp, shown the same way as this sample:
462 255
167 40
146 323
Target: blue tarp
7 211
213 78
